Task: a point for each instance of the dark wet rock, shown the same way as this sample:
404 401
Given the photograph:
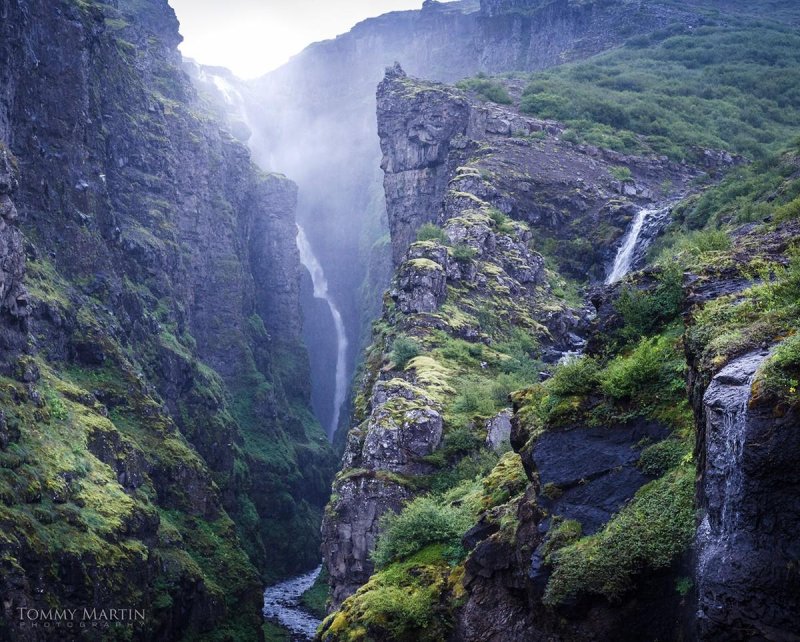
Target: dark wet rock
589 473
350 528
747 539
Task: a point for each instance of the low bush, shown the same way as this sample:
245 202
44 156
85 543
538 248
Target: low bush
423 521
487 88
645 311
404 349
782 371
657 459
431 232
652 366
574 377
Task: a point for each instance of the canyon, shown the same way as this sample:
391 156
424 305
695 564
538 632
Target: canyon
453 302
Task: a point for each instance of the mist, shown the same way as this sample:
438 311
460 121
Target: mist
314 121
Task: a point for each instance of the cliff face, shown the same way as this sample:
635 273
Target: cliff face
156 401
521 165
586 529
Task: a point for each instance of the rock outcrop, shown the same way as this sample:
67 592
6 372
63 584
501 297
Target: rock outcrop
442 149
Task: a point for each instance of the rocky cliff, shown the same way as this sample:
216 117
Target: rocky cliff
158 449
497 183
578 520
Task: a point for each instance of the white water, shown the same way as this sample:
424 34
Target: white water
282 604
622 262
310 262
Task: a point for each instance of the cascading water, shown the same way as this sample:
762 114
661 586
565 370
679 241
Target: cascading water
624 258
310 262
726 401
646 225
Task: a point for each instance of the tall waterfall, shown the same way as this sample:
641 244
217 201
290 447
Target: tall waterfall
310 262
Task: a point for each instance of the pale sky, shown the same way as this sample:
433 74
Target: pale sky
251 37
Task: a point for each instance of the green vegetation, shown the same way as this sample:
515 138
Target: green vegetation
404 349
431 232
406 601
315 599
649 533
622 173
730 87
487 89
422 522
652 369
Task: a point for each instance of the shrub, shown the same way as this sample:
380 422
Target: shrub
431 232
487 89
653 364
404 349
475 398
789 211
782 371
422 522
464 253
497 216
621 173
657 459
644 311
575 377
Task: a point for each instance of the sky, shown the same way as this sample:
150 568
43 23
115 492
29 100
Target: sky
252 37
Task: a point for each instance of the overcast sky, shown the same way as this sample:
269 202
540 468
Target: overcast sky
251 37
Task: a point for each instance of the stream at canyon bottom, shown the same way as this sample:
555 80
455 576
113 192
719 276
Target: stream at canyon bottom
282 605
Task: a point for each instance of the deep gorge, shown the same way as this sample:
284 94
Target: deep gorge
490 306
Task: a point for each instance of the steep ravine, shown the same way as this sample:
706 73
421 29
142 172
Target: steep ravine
314 120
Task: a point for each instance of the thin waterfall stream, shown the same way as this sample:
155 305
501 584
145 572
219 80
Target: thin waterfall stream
646 225
310 262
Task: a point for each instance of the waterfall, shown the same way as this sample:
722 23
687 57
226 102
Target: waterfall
624 258
646 225
719 536
310 262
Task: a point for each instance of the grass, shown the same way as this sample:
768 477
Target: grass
487 89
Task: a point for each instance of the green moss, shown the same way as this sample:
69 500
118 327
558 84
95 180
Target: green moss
425 265
405 601
649 534
506 481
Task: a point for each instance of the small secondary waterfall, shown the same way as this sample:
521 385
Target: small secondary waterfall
310 262
624 258
722 535
282 604
646 225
